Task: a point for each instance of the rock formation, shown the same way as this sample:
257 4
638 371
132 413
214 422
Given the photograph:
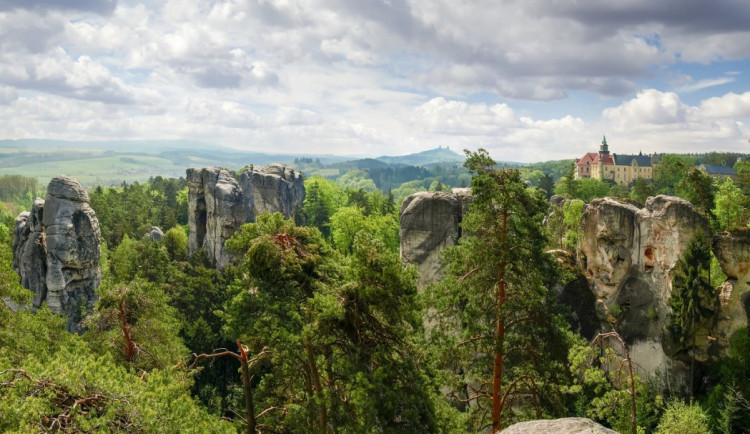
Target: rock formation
155 234
56 251
630 254
430 222
628 260
568 425
219 204
274 188
732 249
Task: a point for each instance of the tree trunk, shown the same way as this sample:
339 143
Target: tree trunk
316 385
249 405
497 375
129 344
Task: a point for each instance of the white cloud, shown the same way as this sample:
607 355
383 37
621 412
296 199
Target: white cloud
661 122
372 77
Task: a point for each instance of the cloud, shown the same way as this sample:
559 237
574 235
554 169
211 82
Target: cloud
704 84
103 7
58 73
7 95
660 121
649 107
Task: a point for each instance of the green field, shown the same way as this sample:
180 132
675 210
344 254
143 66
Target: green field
106 170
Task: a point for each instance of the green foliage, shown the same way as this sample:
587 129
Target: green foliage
682 418
572 212
349 221
494 282
77 391
134 323
340 330
143 258
618 190
717 274
731 209
175 242
743 175
51 380
357 180
693 301
132 209
670 171
698 188
18 189
314 208
642 190
584 189
601 390
589 188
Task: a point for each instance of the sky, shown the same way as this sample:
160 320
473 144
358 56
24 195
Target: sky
528 80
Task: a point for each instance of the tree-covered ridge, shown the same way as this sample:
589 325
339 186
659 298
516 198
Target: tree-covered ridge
334 335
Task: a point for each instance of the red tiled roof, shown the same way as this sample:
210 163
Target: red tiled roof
593 158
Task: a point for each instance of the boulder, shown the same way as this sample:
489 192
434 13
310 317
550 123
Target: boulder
568 425
218 204
56 251
430 222
155 234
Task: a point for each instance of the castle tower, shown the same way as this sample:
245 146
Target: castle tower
604 148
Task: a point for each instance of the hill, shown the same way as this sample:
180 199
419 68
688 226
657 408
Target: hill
424 158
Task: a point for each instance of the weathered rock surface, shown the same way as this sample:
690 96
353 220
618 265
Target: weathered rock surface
630 255
568 425
155 234
215 212
430 223
56 251
274 188
732 249
218 205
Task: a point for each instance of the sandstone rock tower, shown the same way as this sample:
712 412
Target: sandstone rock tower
56 251
218 204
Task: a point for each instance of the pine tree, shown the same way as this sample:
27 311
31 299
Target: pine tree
490 323
693 300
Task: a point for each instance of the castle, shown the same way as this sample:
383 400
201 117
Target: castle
619 168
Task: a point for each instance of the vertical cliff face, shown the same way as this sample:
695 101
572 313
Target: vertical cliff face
429 224
732 249
218 205
56 251
215 211
630 258
274 188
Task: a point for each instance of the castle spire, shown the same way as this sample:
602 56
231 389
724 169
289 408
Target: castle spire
604 148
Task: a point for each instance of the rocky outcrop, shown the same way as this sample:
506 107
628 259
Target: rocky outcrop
568 425
218 205
274 188
56 251
215 212
430 223
732 249
630 254
155 234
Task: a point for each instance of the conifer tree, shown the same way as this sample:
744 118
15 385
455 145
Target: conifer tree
491 325
693 300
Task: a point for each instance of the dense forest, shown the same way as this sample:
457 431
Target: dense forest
318 326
